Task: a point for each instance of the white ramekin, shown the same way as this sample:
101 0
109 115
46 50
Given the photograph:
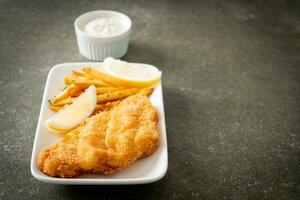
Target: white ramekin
98 48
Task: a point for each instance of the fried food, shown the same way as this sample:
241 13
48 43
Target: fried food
101 90
101 76
69 79
83 74
63 102
55 108
117 95
105 106
107 78
126 80
108 89
146 91
106 142
87 83
69 91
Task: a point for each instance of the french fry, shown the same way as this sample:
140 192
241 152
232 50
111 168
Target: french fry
115 95
74 77
105 106
101 90
75 131
87 83
112 103
76 94
55 108
103 77
100 107
82 74
115 81
71 89
109 89
68 80
63 102
146 91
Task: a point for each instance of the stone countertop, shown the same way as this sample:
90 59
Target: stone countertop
231 74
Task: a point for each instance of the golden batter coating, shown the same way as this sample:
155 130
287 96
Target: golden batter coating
106 142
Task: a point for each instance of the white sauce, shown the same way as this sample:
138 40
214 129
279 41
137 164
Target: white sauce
104 27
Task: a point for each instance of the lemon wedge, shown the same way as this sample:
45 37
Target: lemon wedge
72 115
131 74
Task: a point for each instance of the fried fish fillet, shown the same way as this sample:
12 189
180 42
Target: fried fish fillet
106 142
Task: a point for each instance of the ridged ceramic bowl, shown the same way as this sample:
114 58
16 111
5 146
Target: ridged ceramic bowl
97 48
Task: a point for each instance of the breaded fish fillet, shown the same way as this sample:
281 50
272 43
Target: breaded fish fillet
106 142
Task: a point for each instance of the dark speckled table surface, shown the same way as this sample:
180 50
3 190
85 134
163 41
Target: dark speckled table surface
231 80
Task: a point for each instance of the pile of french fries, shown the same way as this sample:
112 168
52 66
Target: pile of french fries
110 91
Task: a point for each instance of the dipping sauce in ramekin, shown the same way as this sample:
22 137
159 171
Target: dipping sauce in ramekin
102 33
104 27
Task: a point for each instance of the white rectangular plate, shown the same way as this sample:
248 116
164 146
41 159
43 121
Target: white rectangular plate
146 170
